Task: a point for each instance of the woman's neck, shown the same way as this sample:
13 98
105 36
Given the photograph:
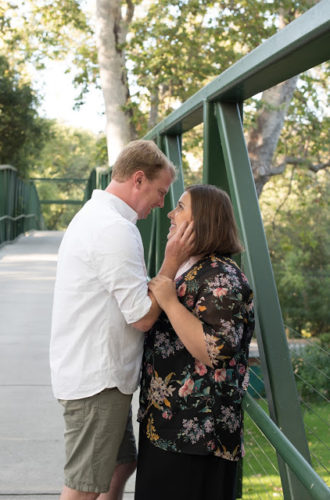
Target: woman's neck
187 265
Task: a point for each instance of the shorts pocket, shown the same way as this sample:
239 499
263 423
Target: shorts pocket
73 414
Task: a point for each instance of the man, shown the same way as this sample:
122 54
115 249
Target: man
101 307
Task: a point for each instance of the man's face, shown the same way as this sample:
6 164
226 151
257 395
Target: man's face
151 194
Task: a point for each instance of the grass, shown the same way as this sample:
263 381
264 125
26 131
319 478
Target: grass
261 479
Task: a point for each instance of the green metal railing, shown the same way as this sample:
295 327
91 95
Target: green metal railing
19 205
297 463
60 180
299 46
99 178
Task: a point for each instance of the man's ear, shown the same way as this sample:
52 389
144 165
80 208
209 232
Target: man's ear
138 178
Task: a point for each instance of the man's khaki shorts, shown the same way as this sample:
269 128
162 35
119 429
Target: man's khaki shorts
98 436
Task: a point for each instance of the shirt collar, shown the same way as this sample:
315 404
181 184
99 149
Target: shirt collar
120 205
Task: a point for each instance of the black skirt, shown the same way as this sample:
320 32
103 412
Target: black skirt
164 475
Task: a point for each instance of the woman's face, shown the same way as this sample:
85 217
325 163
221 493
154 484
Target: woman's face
182 213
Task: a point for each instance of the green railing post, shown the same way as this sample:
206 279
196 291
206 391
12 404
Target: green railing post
283 400
214 171
173 150
171 146
154 229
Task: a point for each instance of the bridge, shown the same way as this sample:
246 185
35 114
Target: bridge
301 45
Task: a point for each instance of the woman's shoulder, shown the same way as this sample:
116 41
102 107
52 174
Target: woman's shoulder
215 265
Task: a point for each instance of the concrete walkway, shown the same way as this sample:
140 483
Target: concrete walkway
31 428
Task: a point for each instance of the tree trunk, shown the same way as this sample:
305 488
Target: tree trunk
263 138
111 35
154 108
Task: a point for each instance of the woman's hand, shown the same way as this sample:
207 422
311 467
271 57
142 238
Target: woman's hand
164 290
185 324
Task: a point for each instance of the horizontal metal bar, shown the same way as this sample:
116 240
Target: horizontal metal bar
58 179
8 167
302 44
26 216
304 472
61 202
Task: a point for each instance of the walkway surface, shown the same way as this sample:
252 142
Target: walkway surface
31 428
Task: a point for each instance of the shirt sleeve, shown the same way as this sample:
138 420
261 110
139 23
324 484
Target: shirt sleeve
223 313
120 266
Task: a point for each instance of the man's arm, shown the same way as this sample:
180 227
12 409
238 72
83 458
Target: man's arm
177 251
144 324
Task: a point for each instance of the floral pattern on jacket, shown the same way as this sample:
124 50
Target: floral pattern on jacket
186 406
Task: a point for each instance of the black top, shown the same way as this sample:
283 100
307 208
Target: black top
186 406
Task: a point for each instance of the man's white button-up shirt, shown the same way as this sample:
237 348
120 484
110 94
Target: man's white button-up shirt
101 287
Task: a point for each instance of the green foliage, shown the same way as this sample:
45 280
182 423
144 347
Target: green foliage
42 29
174 47
22 132
69 153
305 132
296 218
178 47
312 369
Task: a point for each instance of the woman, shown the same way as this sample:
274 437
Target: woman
195 362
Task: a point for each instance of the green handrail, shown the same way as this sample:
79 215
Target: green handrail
303 470
19 205
99 178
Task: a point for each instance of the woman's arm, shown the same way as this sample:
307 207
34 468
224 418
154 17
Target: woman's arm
177 251
188 328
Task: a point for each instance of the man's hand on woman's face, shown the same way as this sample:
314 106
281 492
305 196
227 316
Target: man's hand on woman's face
179 245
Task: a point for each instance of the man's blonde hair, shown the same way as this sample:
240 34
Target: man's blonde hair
141 155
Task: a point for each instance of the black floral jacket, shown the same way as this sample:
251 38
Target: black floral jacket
186 406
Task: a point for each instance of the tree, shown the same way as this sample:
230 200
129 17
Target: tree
296 217
22 132
154 55
179 46
290 127
112 27
176 47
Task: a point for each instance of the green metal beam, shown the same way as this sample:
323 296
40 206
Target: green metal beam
316 487
8 167
154 229
61 202
214 170
59 179
302 44
283 400
172 149
171 146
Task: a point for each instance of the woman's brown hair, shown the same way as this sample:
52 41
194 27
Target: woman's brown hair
214 222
